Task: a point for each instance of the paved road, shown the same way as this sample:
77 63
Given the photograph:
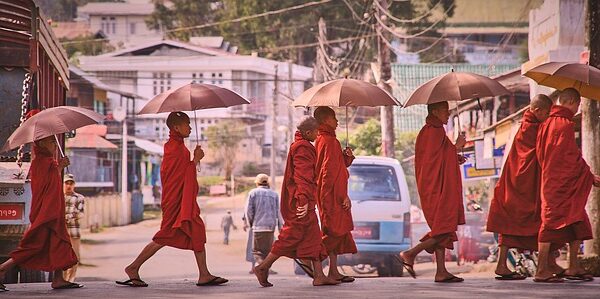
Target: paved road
172 272
246 287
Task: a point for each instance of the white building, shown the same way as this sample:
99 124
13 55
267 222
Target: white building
154 67
120 22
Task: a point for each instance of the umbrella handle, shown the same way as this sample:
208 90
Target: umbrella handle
62 153
198 167
347 137
462 150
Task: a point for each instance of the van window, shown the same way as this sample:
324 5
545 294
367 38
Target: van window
373 182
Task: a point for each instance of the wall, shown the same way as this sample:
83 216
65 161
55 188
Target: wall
105 210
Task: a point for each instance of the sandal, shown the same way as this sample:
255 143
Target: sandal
3 288
581 277
451 279
551 279
511 276
70 285
409 268
346 279
306 268
132 283
213 282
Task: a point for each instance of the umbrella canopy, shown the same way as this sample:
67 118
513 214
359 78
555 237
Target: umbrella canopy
51 121
192 97
562 75
455 86
345 92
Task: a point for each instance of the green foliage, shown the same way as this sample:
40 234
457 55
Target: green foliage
295 27
85 45
64 10
223 140
366 140
405 151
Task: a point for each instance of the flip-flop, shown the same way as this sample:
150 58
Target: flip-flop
306 268
561 274
409 268
511 276
130 282
3 288
213 282
346 279
580 277
451 280
551 279
70 285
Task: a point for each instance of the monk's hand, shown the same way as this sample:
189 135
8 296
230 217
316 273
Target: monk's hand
63 162
597 181
461 140
461 159
348 152
198 154
347 203
302 211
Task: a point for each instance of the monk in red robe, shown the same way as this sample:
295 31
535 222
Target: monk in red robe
515 209
46 244
300 237
440 190
181 225
565 187
332 192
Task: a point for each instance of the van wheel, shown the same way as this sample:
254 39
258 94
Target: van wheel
396 268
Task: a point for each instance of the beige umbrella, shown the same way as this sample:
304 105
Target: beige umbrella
51 121
345 93
562 75
192 97
455 86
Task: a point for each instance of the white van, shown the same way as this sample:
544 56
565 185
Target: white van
381 213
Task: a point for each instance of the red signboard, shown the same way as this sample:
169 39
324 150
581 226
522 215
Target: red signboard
11 211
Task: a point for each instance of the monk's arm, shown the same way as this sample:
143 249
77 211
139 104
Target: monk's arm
304 170
328 182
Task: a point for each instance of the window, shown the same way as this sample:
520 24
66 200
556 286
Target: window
373 183
161 82
132 28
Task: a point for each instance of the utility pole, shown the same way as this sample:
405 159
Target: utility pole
590 125
387 112
291 130
274 127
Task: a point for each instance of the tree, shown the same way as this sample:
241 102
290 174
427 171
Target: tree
366 140
405 152
223 140
169 15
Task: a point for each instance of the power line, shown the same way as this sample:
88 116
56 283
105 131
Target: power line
260 15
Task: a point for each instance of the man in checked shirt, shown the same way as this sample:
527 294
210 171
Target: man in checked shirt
73 213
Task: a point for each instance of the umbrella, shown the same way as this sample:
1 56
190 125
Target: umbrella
51 121
562 75
455 86
192 97
345 93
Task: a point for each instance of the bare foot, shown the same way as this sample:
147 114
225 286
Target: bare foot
263 277
409 259
59 282
543 276
502 271
325 281
444 276
133 273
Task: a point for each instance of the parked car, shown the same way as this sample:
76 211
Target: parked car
381 212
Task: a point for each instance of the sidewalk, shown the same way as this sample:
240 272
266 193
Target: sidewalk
247 287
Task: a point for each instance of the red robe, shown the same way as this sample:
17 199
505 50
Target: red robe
46 245
300 238
439 183
566 180
181 225
516 206
332 190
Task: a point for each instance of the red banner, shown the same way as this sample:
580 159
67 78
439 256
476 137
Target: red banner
12 211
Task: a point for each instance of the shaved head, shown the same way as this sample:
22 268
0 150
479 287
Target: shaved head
541 101
569 96
308 124
177 118
437 106
322 113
